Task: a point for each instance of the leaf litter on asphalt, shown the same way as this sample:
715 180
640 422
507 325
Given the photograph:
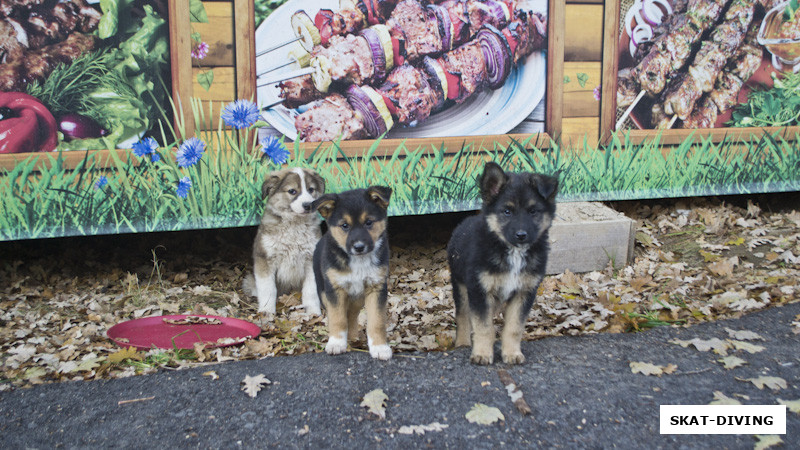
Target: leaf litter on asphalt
774 383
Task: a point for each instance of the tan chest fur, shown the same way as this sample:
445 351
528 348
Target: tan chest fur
503 285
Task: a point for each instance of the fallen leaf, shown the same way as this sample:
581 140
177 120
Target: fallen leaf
652 369
731 362
89 364
421 429
743 335
303 431
375 401
211 374
722 399
791 405
746 346
126 353
723 268
253 384
767 441
718 345
709 257
484 415
774 383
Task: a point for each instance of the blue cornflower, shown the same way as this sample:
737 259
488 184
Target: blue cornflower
102 181
275 149
146 146
184 184
190 152
240 114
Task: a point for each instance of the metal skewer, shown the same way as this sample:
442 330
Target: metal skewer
628 111
272 105
291 61
277 46
286 76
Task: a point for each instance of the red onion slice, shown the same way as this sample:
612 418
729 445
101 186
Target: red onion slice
497 54
378 53
442 17
374 122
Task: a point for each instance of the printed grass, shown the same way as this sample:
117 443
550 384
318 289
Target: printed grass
119 195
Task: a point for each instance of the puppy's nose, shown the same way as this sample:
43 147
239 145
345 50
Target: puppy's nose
359 247
307 206
522 235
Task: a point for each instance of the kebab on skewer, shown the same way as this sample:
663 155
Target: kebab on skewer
739 68
368 57
670 52
683 91
411 94
629 82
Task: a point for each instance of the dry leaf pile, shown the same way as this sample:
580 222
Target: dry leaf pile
695 260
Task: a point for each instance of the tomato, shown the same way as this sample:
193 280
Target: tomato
323 22
398 59
512 41
389 103
453 85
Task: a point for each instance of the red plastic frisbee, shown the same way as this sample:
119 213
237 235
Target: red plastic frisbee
182 331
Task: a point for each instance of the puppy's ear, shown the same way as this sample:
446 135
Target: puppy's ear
318 180
271 183
546 185
325 205
379 195
492 181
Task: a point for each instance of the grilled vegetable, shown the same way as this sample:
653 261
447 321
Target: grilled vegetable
304 27
367 102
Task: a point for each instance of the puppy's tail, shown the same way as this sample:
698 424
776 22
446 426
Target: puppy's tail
249 285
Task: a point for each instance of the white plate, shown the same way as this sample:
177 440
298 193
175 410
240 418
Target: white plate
488 112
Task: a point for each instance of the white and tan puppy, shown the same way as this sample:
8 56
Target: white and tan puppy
286 238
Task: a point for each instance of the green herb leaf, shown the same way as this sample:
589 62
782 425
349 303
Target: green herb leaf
566 79
197 12
582 79
791 8
205 79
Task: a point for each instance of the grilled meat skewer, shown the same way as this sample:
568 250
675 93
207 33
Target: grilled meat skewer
353 59
684 91
411 94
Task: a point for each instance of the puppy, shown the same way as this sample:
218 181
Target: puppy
351 266
497 260
285 241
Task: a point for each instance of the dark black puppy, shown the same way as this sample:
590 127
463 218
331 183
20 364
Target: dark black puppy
498 258
351 266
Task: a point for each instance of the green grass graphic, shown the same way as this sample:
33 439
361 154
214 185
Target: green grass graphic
125 195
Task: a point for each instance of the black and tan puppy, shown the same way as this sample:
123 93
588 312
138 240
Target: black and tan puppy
498 258
351 266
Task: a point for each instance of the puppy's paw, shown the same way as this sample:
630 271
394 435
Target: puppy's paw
513 358
336 345
267 306
382 352
480 359
311 302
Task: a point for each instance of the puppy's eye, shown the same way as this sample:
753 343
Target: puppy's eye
310 190
507 211
292 191
345 226
532 211
368 223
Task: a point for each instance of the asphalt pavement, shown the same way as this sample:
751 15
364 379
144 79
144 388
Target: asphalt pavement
581 390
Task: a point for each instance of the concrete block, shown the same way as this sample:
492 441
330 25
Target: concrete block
585 236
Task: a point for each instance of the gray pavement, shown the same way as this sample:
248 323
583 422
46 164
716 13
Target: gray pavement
581 389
